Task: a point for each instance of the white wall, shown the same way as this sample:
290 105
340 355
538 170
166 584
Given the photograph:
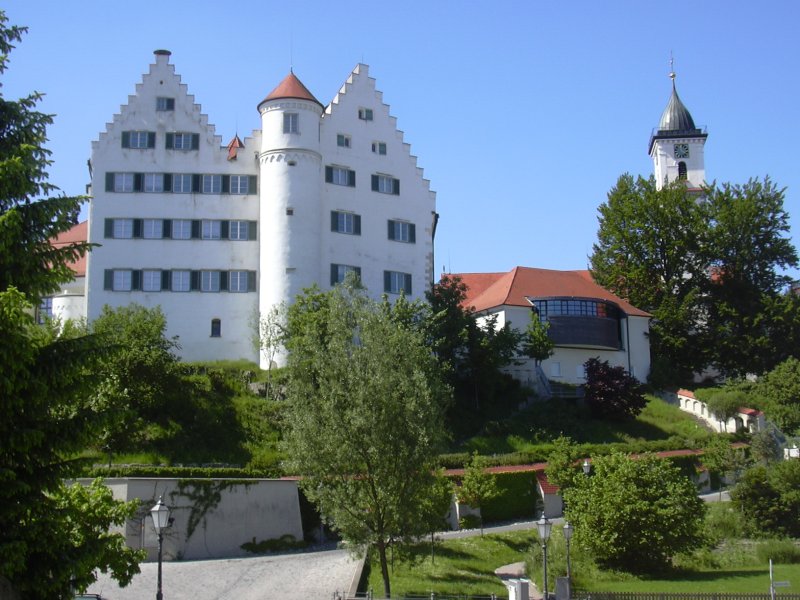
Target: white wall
259 509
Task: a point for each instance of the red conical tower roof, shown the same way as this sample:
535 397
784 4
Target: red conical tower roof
290 87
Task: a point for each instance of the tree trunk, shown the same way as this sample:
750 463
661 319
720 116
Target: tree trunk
384 569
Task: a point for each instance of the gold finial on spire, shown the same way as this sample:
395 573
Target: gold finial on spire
671 67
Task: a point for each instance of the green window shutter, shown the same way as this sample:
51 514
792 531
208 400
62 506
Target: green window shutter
407 284
151 139
224 230
137 228
252 230
170 141
374 183
167 182
194 281
334 221
223 281
195 229
412 233
251 281
387 281
108 279
334 273
226 184
328 174
391 230
109 182
166 279
252 184
197 181
166 231
109 228
396 187
136 279
357 224
126 139
137 181
195 141
351 178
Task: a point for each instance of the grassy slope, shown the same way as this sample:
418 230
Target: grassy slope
546 421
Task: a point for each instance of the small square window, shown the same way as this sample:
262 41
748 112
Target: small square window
238 230
365 114
385 184
212 230
181 281
154 182
136 139
237 281
123 182
216 328
152 229
123 228
239 184
182 183
396 282
122 281
401 231
343 141
291 123
379 147
182 141
212 184
163 103
181 229
209 281
151 280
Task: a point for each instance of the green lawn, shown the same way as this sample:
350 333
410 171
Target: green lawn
466 566
545 421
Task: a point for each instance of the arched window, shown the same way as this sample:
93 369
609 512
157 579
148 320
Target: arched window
216 328
682 171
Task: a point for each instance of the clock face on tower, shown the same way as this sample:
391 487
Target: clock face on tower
681 150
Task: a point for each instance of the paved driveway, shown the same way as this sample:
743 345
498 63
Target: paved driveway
306 576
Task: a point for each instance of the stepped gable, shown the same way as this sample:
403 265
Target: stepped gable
360 76
156 77
490 290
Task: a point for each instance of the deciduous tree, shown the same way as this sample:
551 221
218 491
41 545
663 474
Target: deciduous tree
477 486
611 392
779 394
635 514
364 418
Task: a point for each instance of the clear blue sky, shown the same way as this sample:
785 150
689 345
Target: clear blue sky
523 114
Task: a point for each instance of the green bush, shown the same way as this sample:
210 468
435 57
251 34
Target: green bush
517 498
469 522
283 543
783 552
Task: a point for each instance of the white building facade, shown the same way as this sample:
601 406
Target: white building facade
216 234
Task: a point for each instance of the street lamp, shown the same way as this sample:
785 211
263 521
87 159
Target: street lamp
587 466
544 526
568 531
161 520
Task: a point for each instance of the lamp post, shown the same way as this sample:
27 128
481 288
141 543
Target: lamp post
161 520
568 530
587 466
544 526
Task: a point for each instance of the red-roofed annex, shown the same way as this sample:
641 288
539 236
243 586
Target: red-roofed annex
585 320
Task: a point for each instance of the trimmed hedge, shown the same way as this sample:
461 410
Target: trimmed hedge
517 499
182 472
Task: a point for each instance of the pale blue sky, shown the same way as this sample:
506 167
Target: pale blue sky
523 114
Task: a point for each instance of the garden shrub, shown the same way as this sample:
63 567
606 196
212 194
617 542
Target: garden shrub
782 552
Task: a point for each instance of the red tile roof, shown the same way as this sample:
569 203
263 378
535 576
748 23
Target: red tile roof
491 290
291 87
78 233
545 485
233 147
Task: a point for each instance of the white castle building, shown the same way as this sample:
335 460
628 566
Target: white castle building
216 234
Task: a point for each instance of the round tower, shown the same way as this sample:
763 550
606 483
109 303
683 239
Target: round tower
677 146
290 168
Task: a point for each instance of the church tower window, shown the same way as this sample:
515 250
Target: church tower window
682 171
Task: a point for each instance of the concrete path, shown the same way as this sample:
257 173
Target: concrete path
301 576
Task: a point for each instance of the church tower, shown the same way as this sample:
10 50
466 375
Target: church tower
677 146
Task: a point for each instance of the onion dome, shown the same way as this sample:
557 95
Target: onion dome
676 116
